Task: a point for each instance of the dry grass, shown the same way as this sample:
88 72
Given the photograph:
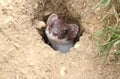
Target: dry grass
109 41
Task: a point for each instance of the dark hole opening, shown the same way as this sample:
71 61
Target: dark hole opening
59 8
44 37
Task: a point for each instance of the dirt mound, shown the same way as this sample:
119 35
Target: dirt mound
23 53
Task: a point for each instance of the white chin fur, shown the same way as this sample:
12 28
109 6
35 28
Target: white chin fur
61 45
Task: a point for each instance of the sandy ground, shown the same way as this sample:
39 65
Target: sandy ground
24 55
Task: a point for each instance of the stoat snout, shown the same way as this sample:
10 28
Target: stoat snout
61 35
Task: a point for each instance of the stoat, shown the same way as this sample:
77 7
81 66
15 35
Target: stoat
61 35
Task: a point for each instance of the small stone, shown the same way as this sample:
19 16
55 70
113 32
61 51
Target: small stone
63 71
47 13
17 77
77 46
39 24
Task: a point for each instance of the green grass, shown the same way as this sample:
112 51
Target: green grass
109 41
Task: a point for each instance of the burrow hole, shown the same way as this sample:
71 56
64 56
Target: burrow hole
62 12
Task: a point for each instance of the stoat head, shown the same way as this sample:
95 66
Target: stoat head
61 30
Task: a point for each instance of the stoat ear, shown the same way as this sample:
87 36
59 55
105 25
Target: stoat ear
52 18
75 29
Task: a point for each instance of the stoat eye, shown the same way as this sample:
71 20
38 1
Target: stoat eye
52 25
65 31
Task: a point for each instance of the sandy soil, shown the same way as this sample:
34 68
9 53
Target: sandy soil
24 55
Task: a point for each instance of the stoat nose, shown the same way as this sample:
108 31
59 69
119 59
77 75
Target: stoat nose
57 32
